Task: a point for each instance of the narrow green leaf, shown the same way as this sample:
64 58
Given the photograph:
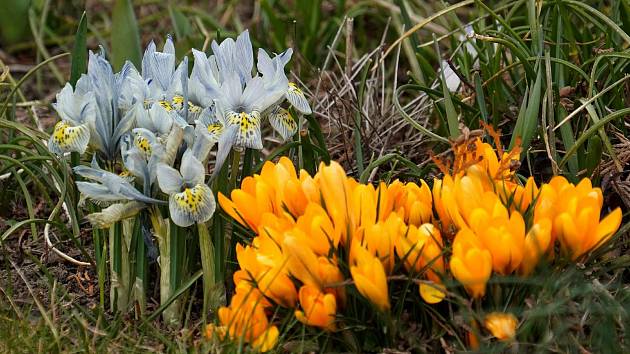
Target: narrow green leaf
409 119
309 162
591 131
125 37
79 52
181 24
593 154
604 138
363 178
481 98
315 130
451 114
566 132
527 123
207 253
607 20
176 294
625 15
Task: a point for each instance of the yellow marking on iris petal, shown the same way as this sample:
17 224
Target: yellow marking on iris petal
166 105
125 173
64 134
287 120
216 128
193 108
190 199
178 99
294 88
178 102
143 144
246 121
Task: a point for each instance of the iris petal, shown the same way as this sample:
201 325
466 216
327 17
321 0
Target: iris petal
296 97
282 121
193 205
66 138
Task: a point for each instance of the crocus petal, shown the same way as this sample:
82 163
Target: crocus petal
608 226
432 293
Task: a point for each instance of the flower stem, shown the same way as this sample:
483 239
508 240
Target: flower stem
206 249
162 230
236 162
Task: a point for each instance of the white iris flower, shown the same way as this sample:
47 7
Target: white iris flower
77 110
190 199
244 100
90 114
108 187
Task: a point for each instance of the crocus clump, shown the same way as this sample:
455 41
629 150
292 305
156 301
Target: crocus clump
317 236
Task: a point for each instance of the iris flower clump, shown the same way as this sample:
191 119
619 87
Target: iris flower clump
149 133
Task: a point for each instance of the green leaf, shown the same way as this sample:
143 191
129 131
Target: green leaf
566 132
451 114
14 20
593 154
181 24
481 100
527 122
125 37
604 138
591 131
175 295
79 52
625 15
605 19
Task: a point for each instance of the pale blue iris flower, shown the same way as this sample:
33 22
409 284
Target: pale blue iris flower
77 110
90 114
244 99
190 199
108 187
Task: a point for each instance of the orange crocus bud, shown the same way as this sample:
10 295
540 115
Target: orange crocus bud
336 190
320 231
266 340
471 263
319 309
446 205
419 247
418 204
379 239
501 325
504 237
537 242
301 261
577 223
369 276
